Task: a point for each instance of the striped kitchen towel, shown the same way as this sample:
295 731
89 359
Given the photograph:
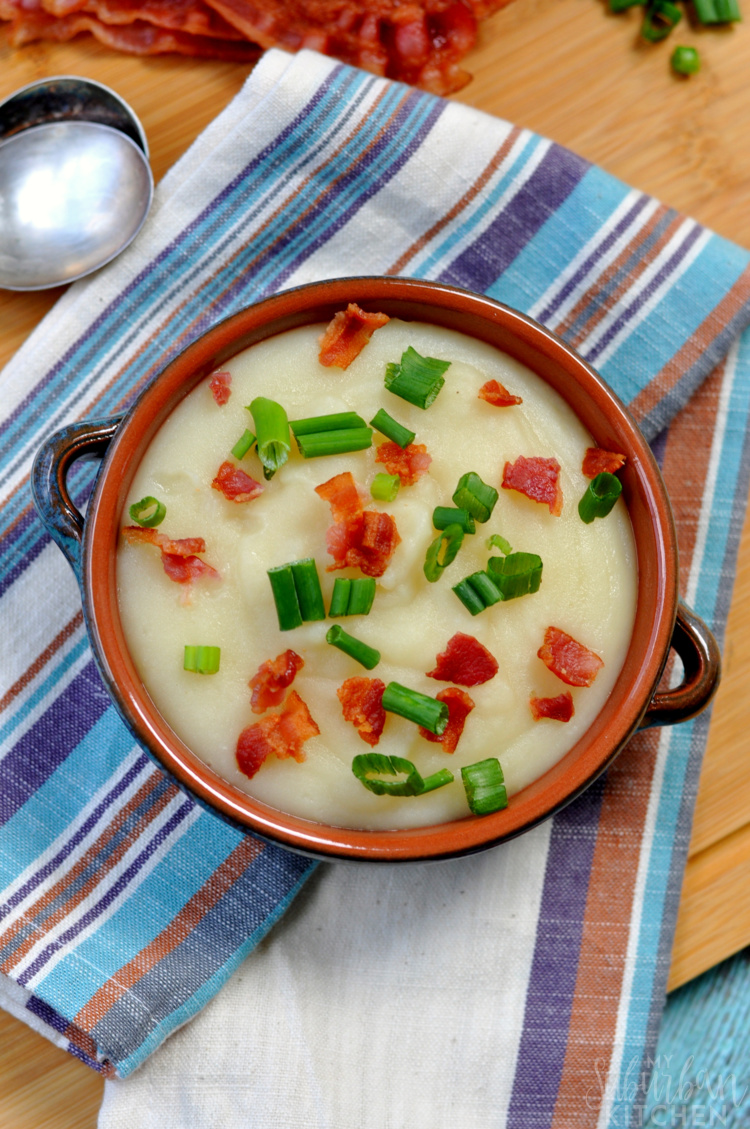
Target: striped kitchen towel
123 906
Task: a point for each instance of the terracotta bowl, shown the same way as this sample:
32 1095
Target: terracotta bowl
661 621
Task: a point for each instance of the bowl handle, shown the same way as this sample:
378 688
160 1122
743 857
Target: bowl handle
701 659
88 439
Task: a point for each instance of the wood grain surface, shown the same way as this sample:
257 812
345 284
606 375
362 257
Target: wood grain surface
571 71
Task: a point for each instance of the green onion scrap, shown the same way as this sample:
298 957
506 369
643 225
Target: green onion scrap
416 379
660 18
518 574
601 494
149 512
201 660
385 487
243 444
297 593
285 597
498 542
484 785
443 516
685 60
354 648
368 767
442 552
414 706
476 496
392 429
272 430
352 597
717 11
336 421
320 443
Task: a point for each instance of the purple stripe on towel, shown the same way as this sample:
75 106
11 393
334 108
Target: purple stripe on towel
554 967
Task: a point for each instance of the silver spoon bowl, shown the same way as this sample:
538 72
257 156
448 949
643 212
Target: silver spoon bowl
74 192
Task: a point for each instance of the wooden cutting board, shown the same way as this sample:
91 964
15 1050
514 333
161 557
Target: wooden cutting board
571 71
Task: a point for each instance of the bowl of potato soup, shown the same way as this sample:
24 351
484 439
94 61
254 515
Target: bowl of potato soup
379 569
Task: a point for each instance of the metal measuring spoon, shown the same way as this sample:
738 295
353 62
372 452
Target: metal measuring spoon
75 184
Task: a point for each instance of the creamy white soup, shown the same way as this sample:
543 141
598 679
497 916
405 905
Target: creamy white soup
588 586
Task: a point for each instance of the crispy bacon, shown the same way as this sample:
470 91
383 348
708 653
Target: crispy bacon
362 704
358 538
177 557
235 485
538 479
220 385
460 706
596 461
347 334
465 660
558 709
282 734
270 681
496 393
569 660
409 463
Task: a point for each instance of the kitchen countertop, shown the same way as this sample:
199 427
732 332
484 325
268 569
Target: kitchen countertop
573 72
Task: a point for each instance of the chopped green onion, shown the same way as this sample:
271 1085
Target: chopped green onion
307 585
385 487
477 592
443 516
518 574
660 18
437 780
484 785
202 660
243 444
352 647
334 442
475 496
337 421
622 5
368 766
272 430
340 596
414 706
498 542
361 595
416 379
717 11
392 429
149 512
442 552
685 60
601 494
285 597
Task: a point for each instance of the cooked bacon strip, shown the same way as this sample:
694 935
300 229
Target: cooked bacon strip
558 709
137 38
282 734
460 706
496 393
235 485
362 704
358 538
177 557
409 463
220 385
538 479
569 660
597 461
465 660
192 17
270 681
347 334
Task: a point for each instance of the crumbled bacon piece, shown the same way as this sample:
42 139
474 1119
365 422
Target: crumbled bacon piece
538 479
178 557
497 394
270 681
362 704
569 660
460 706
358 538
347 334
558 709
220 385
597 461
235 485
409 463
282 734
465 660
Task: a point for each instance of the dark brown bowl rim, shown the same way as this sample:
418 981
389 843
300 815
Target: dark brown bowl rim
605 417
